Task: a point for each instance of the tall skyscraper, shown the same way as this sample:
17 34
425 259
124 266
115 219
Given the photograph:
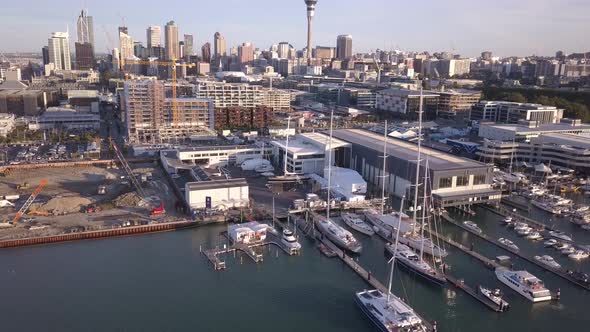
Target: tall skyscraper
171 35
310 14
85 29
283 50
188 45
246 54
125 48
59 50
219 49
154 36
124 30
45 52
344 47
206 52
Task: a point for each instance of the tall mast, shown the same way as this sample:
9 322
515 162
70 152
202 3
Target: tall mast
424 210
287 143
329 148
384 165
399 223
418 159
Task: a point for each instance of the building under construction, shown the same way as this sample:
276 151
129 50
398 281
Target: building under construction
152 117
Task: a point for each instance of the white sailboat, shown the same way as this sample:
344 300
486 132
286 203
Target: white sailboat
387 311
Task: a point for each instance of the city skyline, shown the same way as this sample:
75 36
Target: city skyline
528 27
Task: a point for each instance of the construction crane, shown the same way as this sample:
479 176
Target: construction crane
173 65
28 202
155 209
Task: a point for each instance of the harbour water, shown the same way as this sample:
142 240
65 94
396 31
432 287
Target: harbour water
161 282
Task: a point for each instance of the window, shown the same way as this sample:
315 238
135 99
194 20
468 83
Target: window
462 180
445 182
479 179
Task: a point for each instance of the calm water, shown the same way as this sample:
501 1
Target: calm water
160 282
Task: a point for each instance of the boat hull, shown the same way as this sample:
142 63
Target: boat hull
505 280
369 314
339 242
438 280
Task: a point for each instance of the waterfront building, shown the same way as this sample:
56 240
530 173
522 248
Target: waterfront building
454 180
525 130
65 118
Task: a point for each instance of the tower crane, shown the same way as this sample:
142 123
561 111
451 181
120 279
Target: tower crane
173 65
28 202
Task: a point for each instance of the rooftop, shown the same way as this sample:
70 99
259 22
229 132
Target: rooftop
217 184
546 127
437 160
408 93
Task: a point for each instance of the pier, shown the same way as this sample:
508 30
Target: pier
249 249
516 253
459 283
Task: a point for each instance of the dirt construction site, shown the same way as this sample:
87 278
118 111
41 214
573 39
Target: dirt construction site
77 199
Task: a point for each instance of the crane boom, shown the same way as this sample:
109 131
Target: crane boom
29 201
128 170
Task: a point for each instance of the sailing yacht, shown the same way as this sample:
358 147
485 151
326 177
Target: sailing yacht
387 311
408 259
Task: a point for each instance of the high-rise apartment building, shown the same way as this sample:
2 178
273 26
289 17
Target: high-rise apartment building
150 118
246 54
206 52
125 48
59 50
344 47
154 36
45 53
188 46
219 48
171 36
85 29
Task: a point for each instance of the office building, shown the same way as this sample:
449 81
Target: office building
206 52
45 54
526 130
23 102
171 40
188 46
84 56
323 52
7 123
149 115
219 48
344 47
454 181
85 29
65 118
12 75
283 50
225 95
181 50
454 67
124 30
486 56
246 54
456 103
154 36
59 50
511 112
310 4
407 102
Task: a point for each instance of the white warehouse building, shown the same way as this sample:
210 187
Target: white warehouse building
222 194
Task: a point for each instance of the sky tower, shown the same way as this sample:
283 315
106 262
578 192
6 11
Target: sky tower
310 13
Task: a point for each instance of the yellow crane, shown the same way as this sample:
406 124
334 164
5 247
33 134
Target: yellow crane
173 65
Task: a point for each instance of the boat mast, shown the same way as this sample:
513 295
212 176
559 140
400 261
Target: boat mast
287 143
384 165
399 224
329 148
424 211
418 161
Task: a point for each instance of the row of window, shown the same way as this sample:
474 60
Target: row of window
462 181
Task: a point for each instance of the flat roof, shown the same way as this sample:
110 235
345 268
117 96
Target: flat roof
310 143
437 160
408 93
217 184
547 127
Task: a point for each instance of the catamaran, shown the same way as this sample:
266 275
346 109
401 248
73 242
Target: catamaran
387 311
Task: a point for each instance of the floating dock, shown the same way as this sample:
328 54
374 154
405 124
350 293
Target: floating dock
459 283
518 254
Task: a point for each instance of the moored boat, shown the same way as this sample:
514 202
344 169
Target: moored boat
560 235
335 233
548 261
355 222
412 262
524 284
494 296
508 244
472 226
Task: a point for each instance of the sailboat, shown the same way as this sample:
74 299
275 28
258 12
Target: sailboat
387 311
336 233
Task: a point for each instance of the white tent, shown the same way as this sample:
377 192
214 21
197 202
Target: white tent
542 168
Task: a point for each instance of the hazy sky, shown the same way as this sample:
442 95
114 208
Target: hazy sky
506 27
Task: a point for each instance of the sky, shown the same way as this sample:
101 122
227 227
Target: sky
466 27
